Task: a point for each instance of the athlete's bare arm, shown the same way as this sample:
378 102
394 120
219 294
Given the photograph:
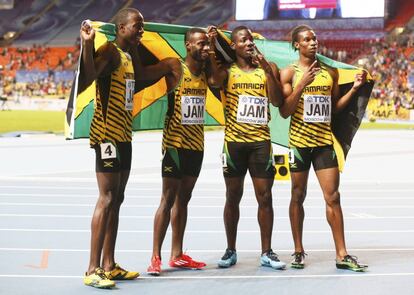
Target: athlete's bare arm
339 103
274 88
96 64
170 68
292 96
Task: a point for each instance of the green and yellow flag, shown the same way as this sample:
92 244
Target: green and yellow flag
150 103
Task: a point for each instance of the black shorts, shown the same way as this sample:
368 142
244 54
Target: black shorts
237 157
321 157
117 157
178 162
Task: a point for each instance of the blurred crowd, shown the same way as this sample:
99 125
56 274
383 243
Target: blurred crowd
391 63
36 59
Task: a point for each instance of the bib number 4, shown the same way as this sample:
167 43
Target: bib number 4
108 151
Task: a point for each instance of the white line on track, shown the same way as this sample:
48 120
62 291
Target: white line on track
196 197
221 277
355 216
202 231
198 206
209 250
275 187
144 180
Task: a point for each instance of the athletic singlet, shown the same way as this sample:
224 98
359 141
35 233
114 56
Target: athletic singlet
246 106
115 122
184 121
310 125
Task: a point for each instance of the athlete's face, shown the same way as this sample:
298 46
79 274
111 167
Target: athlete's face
198 46
243 44
133 29
307 43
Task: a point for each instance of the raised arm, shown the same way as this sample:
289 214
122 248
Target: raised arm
274 88
339 103
216 74
95 64
292 96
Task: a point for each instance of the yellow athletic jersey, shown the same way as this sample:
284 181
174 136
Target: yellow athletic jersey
184 121
114 122
246 106
310 125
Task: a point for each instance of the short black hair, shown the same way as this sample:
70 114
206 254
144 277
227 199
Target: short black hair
238 29
296 31
122 16
192 31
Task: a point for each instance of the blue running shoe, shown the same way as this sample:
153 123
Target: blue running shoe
270 259
229 259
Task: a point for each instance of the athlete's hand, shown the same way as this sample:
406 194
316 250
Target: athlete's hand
87 33
310 74
259 59
212 36
360 80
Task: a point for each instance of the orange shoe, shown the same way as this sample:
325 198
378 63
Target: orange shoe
185 261
155 267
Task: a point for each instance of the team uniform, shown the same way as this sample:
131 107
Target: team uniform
310 134
183 135
247 136
111 128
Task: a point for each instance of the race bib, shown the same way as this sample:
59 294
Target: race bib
317 108
192 110
108 151
252 110
129 94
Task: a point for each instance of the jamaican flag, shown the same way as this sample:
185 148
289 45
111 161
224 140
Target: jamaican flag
150 103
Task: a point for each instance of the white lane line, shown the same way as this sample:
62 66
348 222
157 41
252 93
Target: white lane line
248 188
209 250
198 206
221 277
138 178
157 196
203 231
353 216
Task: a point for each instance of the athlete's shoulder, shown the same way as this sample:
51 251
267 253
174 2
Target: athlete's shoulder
333 72
286 74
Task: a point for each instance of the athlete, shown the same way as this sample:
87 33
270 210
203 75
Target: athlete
250 83
311 93
183 141
112 67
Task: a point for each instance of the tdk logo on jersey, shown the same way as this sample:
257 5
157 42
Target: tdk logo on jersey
255 100
320 99
256 86
194 100
191 91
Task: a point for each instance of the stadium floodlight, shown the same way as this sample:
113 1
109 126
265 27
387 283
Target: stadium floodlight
9 35
6 4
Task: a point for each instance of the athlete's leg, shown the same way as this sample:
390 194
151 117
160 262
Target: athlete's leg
108 184
234 193
263 191
329 182
179 215
170 188
296 211
108 260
